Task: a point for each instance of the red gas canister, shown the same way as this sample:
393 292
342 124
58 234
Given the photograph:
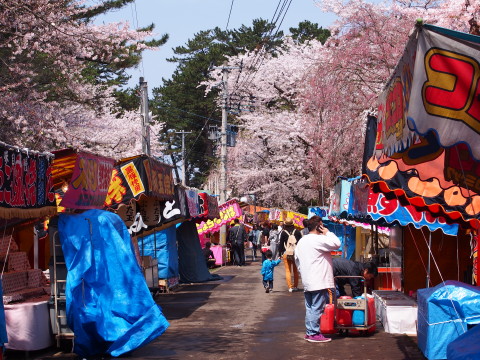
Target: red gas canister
327 320
344 317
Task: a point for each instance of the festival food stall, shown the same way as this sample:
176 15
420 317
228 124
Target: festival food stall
228 211
142 193
109 308
424 171
80 181
26 198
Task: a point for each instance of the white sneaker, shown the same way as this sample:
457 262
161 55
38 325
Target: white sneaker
290 290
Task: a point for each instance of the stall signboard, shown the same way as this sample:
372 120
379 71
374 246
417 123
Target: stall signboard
213 211
192 202
392 211
89 182
358 204
274 214
296 217
340 198
26 183
321 211
434 88
137 176
203 204
228 212
149 213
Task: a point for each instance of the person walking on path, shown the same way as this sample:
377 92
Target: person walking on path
274 239
264 239
289 261
314 261
267 271
237 237
254 237
304 231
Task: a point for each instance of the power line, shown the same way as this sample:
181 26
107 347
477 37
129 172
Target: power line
282 8
193 114
229 14
133 7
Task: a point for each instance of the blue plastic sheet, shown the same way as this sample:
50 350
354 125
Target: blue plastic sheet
3 324
109 306
466 347
445 313
163 246
347 236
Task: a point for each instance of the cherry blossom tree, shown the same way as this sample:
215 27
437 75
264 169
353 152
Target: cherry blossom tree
59 73
269 159
312 100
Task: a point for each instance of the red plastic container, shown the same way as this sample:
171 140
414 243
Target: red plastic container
372 317
344 317
327 320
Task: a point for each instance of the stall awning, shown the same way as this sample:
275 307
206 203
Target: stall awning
369 203
81 178
26 185
433 193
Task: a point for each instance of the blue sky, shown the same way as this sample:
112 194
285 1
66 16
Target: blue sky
181 19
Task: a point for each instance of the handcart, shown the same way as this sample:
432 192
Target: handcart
347 314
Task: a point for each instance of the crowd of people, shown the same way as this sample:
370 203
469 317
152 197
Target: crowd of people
306 254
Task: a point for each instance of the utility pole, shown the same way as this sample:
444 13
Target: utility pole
223 138
184 171
223 151
145 116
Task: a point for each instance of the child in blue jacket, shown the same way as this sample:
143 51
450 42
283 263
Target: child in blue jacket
267 270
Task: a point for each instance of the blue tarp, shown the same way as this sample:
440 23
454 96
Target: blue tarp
3 324
466 347
109 306
163 246
347 236
444 313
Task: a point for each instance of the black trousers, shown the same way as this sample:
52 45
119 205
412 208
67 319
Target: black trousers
239 254
268 283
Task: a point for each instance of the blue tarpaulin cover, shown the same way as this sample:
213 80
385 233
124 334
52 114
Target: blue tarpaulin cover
163 246
444 313
3 324
466 347
109 306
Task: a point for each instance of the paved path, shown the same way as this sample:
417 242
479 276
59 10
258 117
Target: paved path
235 319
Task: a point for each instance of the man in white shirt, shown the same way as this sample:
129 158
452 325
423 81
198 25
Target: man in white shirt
313 259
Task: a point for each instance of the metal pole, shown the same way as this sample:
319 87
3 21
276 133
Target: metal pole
428 264
223 152
254 208
35 247
184 177
145 116
184 167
